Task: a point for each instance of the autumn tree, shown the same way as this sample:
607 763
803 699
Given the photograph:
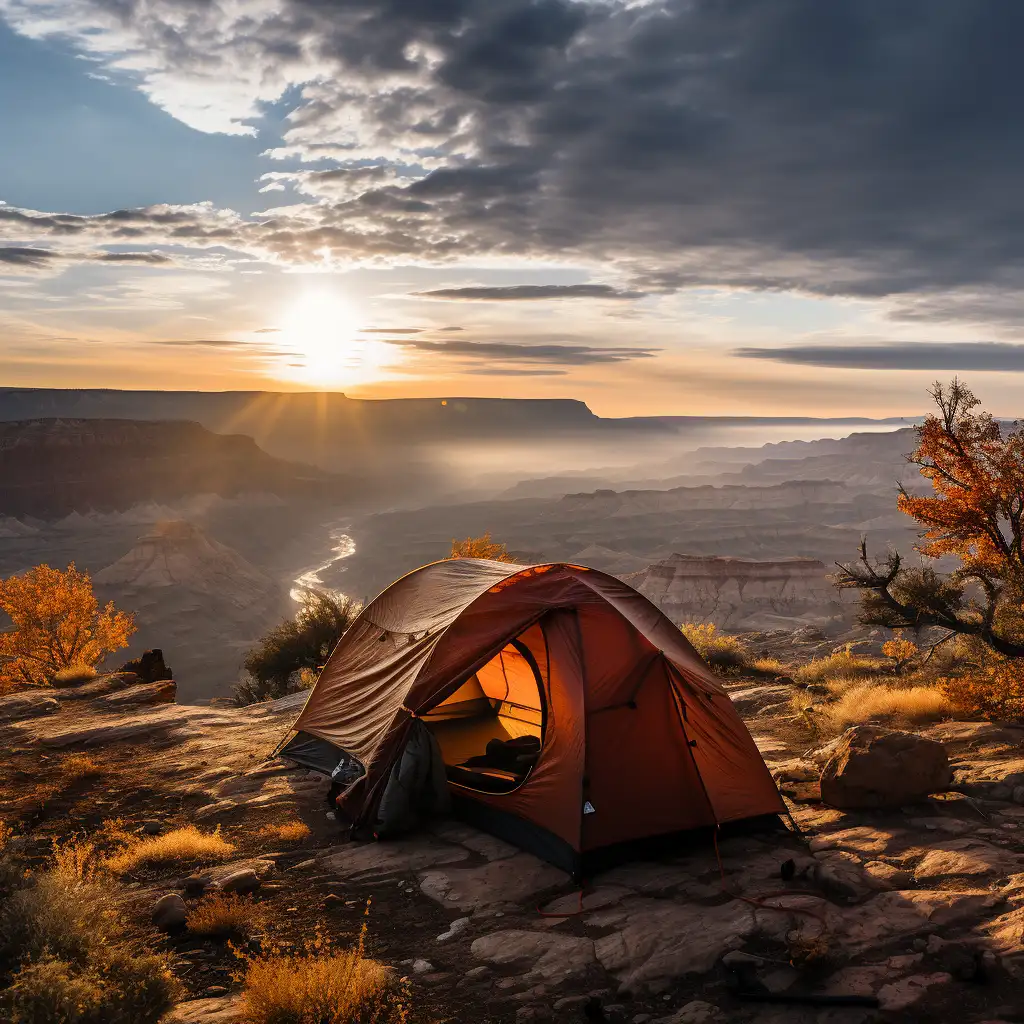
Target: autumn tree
480 547
56 623
974 513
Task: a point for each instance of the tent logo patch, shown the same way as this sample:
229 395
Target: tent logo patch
589 808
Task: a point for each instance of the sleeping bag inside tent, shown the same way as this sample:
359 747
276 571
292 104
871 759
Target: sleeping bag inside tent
552 705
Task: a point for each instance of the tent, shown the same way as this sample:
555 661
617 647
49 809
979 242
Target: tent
573 718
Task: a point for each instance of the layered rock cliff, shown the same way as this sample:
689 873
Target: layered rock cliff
737 593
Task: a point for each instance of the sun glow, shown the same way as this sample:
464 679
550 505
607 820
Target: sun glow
320 343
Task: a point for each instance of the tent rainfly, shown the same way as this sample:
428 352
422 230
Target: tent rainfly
571 716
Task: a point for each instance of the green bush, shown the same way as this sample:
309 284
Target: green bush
275 665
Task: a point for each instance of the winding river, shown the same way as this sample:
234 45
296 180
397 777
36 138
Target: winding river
321 577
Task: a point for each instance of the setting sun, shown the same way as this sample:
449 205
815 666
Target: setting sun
321 343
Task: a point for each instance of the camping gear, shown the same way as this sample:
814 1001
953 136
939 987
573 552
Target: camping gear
572 717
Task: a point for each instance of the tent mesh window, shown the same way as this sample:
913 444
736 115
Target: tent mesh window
491 729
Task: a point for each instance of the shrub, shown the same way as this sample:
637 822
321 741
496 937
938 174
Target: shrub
225 914
840 665
718 649
480 547
73 675
323 987
76 767
118 989
992 691
304 642
289 832
769 667
899 650
913 704
180 846
57 624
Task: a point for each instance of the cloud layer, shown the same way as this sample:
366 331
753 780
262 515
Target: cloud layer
851 147
967 356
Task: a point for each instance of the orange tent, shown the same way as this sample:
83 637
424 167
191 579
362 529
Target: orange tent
572 716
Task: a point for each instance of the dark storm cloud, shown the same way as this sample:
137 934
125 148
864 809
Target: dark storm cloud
528 292
22 256
514 352
968 355
854 147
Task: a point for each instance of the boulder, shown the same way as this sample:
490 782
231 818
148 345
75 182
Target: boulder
100 686
169 912
875 767
244 882
138 696
27 704
150 667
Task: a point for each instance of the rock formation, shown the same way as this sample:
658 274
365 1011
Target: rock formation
178 554
738 593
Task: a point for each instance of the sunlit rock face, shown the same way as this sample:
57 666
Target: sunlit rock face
179 554
738 593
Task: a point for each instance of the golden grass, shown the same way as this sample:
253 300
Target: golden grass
76 767
912 704
718 649
324 988
289 831
769 667
842 665
180 846
74 675
225 914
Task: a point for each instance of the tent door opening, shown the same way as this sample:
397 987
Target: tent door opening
491 729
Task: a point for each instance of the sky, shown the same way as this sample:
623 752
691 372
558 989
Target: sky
656 206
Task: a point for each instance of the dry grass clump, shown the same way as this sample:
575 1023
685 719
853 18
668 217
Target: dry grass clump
836 667
180 846
769 667
64 956
289 831
119 988
914 705
225 914
718 649
76 767
73 675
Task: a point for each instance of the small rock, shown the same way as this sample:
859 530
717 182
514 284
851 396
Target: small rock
568 1002
422 967
243 882
332 897
169 912
195 885
456 928
152 828
216 990
477 972
697 1012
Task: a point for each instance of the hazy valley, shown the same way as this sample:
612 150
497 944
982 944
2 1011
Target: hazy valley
205 534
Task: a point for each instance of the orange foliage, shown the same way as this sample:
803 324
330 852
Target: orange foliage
996 691
480 547
976 510
57 623
899 649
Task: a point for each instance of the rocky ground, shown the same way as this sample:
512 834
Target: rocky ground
907 911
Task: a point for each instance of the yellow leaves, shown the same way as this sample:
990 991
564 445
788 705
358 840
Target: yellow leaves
994 691
899 649
57 623
480 547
